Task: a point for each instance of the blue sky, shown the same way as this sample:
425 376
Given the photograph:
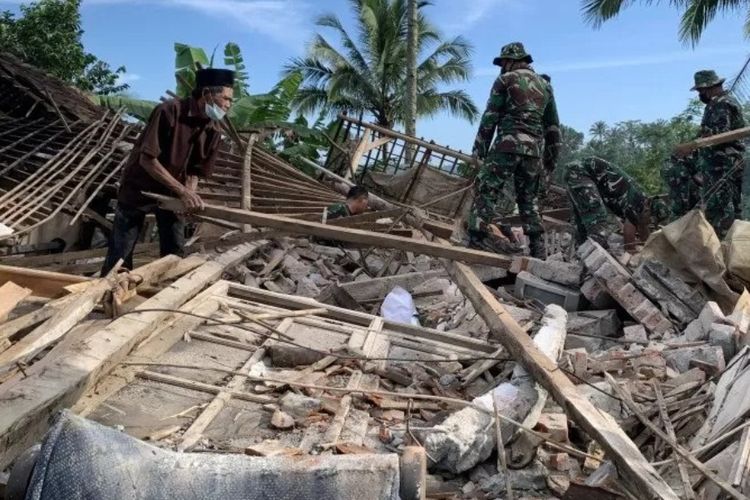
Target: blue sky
632 68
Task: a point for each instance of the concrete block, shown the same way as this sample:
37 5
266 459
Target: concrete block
635 333
602 323
596 294
616 279
529 286
674 295
562 273
711 314
695 332
299 406
679 359
725 337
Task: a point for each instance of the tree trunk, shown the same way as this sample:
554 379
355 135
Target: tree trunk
412 43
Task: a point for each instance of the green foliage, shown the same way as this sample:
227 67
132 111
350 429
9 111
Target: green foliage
696 14
137 108
369 75
187 60
638 148
233 57
270 109
48 35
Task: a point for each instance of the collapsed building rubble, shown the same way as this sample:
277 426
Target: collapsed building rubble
603 374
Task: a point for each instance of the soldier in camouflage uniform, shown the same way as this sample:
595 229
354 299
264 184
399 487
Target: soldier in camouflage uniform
521 115
680 175
596 186
715 172
356 203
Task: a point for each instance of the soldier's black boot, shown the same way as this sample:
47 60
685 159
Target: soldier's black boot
537 247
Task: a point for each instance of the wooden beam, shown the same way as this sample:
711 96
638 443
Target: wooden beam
357 236
679 450
10 295
57 382
371 216
714 140
247 182
439 229
41 283
59 324
638 472
413 140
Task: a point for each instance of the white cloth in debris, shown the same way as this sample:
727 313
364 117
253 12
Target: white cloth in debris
399 307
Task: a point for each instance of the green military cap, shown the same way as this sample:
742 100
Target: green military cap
514 51
706 78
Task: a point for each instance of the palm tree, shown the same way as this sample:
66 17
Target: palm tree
696 14
598 131
369 74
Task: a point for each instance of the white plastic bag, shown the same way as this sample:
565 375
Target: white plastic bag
399 306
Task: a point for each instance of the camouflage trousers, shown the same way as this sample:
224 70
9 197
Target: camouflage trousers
498 171
710 180
679 176
596 187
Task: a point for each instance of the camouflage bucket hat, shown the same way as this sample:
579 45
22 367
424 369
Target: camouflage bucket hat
706 78
514 51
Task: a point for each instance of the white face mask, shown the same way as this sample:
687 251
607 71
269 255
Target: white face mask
214 112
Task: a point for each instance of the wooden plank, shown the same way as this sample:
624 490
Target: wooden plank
682 452
414 333
349 235
41 283
57 383
195 431
160 341
371 216
247 183
742 465
10 295
59 324
713 140
12 327
687 486
379 287
639 473
194 385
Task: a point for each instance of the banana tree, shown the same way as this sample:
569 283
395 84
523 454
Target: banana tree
270 112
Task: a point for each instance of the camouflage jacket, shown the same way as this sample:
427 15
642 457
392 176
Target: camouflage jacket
722 114
522 110
337 210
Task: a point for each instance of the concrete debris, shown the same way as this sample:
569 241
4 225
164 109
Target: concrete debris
563 273
617 281
467 437
596 294
679 359
299 406
529 286
281 420
329 374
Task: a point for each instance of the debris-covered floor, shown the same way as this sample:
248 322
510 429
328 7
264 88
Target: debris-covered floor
284 335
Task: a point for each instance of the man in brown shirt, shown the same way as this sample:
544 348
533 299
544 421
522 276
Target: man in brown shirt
179 144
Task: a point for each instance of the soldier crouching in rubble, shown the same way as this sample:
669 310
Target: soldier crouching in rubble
357 202
179 144
522 110
713 174
595 186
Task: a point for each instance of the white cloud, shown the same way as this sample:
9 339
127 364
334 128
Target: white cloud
645 60
127 78
285 21
477 10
